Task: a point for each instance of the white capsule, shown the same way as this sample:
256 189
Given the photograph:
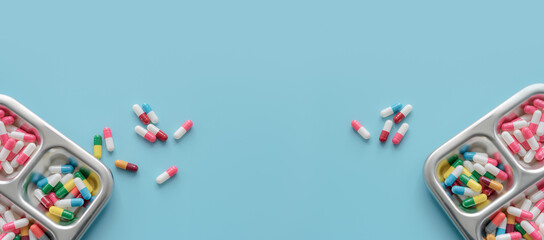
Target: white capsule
526 117
522 152
6 166
479 168
9 236
137 110
468 165
540 219
3 209
8 216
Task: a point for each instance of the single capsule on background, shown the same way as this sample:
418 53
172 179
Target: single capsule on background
97 146
189 124
494 224
6 150
59 212
23 156
465 191
140 113
395 108
150 113
145 133
522 214
126 165
357 126
475 200
511 142
386 130
61 168
167 174
15 225
44 200
25 137
403 113
63 180
157 132
109 139
82 188
400 133
3 134
66 203
38 232
51 182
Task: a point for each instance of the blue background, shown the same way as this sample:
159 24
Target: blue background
271 87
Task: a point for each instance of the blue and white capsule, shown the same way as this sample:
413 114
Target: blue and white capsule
464 191
41 182
82 188
395 108
61 169
454 175
502 228
66 203
150 113
470 155
72 162
463 149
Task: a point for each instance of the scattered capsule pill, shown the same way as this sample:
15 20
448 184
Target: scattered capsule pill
157 132
18 147
109 139
61 168
533 233
97 146
38 232
66 203
355 124
471 155
519 213
537 195
465 191
10 144
535 120
509 236
529 109
491 184
44 200
51 182
502 227
463 149
82 189
454 175
473 201
494 224
126 165
53 197
530 138
26 137
167 174
149 111
145 133
403 113
84 180
23 157
511 142
7 236
470 183
514 125
386 130
65 189
59 212
496 172
140 113
521 139
189 124
15 225
388 111
537 208
400 133
3 134
529 156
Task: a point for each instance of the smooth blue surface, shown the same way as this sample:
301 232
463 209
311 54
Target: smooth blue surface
271 87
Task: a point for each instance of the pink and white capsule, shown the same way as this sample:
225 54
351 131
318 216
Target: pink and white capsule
537 208
7 236
511 142
479 168
529 109
27 137
400 133
525 215
500 174
539 154
10 144
18 146
540 128
483 160
535 120
167 174
6 166
517 123
109 139
188 124
23 157
529 156
521 139
357 126
537 195
3 133
509 236
15 225
533 233
145 133
529 136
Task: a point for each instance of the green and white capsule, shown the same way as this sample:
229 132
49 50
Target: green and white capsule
66 178
51 182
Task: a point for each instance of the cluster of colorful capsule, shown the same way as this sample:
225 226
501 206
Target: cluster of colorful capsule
473 177
400 113
16 226
65 190
18 141
524 218
524 134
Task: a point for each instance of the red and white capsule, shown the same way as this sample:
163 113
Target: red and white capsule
15 225
400 133
167 174
27 137
140 113
483 160
357 126
495 171
537 208
10 144
18 146
517 123
25 154
158 133
521 139
530 138
386 130
183 129
511 142
109 139
522 214
145 133
535 120
403 113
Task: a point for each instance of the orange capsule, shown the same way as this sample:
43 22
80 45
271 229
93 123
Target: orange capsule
126 165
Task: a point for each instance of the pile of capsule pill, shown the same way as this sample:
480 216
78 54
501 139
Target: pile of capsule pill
400 113
525 133
523 218
16 225
473 177
18 141
151 133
